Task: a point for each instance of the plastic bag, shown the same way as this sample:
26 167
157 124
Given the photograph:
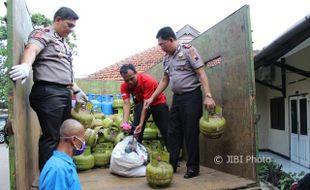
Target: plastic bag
128 158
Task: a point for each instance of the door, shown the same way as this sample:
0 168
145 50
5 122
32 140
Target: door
299 131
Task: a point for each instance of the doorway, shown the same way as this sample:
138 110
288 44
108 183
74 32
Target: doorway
299 129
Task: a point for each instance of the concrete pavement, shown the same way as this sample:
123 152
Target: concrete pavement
4 167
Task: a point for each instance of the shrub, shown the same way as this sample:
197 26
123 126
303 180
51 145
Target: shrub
272 173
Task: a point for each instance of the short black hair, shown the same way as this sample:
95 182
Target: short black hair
66 13
124 68
165 33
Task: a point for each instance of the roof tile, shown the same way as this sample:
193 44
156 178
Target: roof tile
142 61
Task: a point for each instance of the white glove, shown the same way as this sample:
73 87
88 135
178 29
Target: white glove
81 96
20 71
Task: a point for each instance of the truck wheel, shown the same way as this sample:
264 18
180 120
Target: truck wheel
1 137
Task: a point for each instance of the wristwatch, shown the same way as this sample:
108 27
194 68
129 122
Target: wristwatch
209 95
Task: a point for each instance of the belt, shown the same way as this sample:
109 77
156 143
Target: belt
53 84
185 93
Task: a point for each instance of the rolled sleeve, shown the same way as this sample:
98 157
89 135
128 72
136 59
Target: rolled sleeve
194 58
125 91
39 38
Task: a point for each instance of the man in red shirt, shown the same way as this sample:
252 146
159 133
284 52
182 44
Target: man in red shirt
141 87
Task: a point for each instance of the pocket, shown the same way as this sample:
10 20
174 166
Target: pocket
36 95
57 47
182 65
38 91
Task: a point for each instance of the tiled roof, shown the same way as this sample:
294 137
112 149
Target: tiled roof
142 62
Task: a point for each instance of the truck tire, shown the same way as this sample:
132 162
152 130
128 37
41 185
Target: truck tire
2 137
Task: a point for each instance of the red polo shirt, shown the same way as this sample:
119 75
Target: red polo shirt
144 89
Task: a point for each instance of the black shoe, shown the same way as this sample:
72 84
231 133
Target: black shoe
174 169
190 173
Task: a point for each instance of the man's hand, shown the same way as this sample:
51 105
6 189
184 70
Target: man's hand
126 127
137 130
81 96
147 103
20 71
209 103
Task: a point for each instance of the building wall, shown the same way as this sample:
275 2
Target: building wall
186 38
279 140
98 86
263 113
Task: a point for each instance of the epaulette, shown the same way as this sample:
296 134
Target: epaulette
38 33
187 46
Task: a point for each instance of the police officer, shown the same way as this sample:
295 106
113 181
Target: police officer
51 60
184 70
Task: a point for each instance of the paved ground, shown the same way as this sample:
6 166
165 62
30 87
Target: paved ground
4 167
209 179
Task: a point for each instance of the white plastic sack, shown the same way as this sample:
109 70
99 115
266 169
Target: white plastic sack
128 164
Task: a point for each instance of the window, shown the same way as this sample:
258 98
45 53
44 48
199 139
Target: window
277 113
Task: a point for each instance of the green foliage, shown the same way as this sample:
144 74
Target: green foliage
71 42
4 85
3 67
272 173
3 29
287 179
40 20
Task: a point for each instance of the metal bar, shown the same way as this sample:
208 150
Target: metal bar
293 69
269 85
283 73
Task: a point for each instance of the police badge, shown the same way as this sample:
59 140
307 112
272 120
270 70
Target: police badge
60 55
180 55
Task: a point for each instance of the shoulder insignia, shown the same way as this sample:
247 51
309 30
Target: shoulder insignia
193 54
180 55
187 46
38 34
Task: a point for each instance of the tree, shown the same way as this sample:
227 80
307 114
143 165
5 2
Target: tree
3 64
39 20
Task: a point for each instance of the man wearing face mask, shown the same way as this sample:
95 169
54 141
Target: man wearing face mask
59 172
51 60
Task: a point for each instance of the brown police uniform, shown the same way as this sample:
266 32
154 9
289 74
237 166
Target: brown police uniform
186 108
50 95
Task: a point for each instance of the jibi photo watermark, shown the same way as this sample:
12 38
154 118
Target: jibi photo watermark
240 159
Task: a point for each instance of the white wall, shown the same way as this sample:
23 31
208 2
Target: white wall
263 112
278 140
186 38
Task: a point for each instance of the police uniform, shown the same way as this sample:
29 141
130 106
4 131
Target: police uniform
186 108
50 95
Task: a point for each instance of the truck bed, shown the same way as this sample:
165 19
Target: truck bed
101 179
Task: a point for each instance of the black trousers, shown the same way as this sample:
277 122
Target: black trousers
185 113
160 115
52 103
304 183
